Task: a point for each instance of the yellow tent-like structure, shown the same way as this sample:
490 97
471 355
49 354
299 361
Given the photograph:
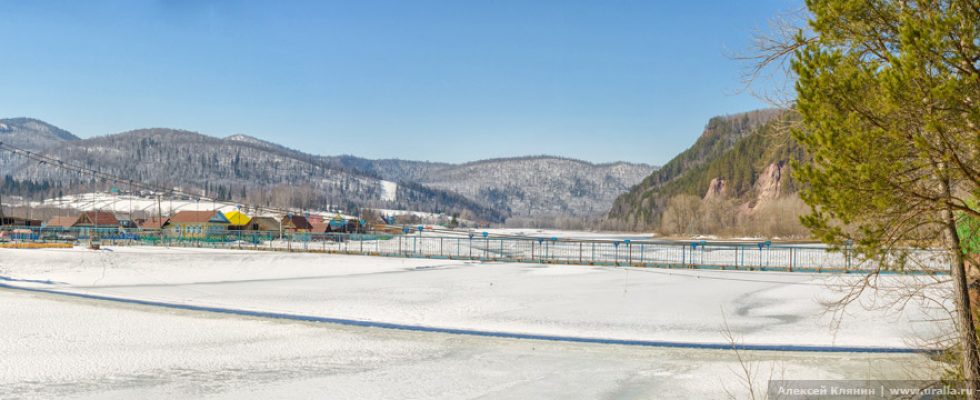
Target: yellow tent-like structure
237 218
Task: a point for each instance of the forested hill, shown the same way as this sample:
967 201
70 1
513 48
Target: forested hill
254 171
237 168
29 134
534 187
740 162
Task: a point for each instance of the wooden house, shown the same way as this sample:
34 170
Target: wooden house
237 220
265 224
296 224
155 223
61 222
197 224
319 226
128 223
97 219
18 221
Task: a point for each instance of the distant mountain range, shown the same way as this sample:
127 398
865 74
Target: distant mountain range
247 169
534 186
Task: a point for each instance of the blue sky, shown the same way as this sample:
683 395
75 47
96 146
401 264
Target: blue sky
428 80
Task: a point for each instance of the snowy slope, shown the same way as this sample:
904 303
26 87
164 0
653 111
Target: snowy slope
389 191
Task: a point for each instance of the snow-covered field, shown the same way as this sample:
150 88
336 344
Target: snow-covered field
56 345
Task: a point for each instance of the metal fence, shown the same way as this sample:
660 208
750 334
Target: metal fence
653 253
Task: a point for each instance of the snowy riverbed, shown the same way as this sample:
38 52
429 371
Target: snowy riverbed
55 345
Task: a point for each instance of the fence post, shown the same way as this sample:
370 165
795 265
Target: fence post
579 252
791 259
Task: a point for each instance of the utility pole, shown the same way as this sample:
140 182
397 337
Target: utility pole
160 215
2 218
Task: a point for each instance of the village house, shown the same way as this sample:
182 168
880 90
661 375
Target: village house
155 223
296 224
237 220
339 224
319 226
197 224
128 223
61 222
265 224
97 219
18 221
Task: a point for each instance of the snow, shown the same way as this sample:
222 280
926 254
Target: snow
389 191
604 249
566 234
764 308
126 203
55 348
428 216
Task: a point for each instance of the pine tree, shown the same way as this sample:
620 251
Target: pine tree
889 92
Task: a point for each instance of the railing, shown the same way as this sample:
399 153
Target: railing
459 245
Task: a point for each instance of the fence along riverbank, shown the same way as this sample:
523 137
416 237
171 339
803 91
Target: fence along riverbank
481 246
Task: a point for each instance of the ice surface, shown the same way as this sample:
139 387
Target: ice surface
56 346
85 349
582 301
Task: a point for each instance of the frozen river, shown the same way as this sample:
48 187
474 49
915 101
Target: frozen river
57 345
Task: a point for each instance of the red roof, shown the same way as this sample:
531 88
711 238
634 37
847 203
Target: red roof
319 226
297 222
192 217
98 218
